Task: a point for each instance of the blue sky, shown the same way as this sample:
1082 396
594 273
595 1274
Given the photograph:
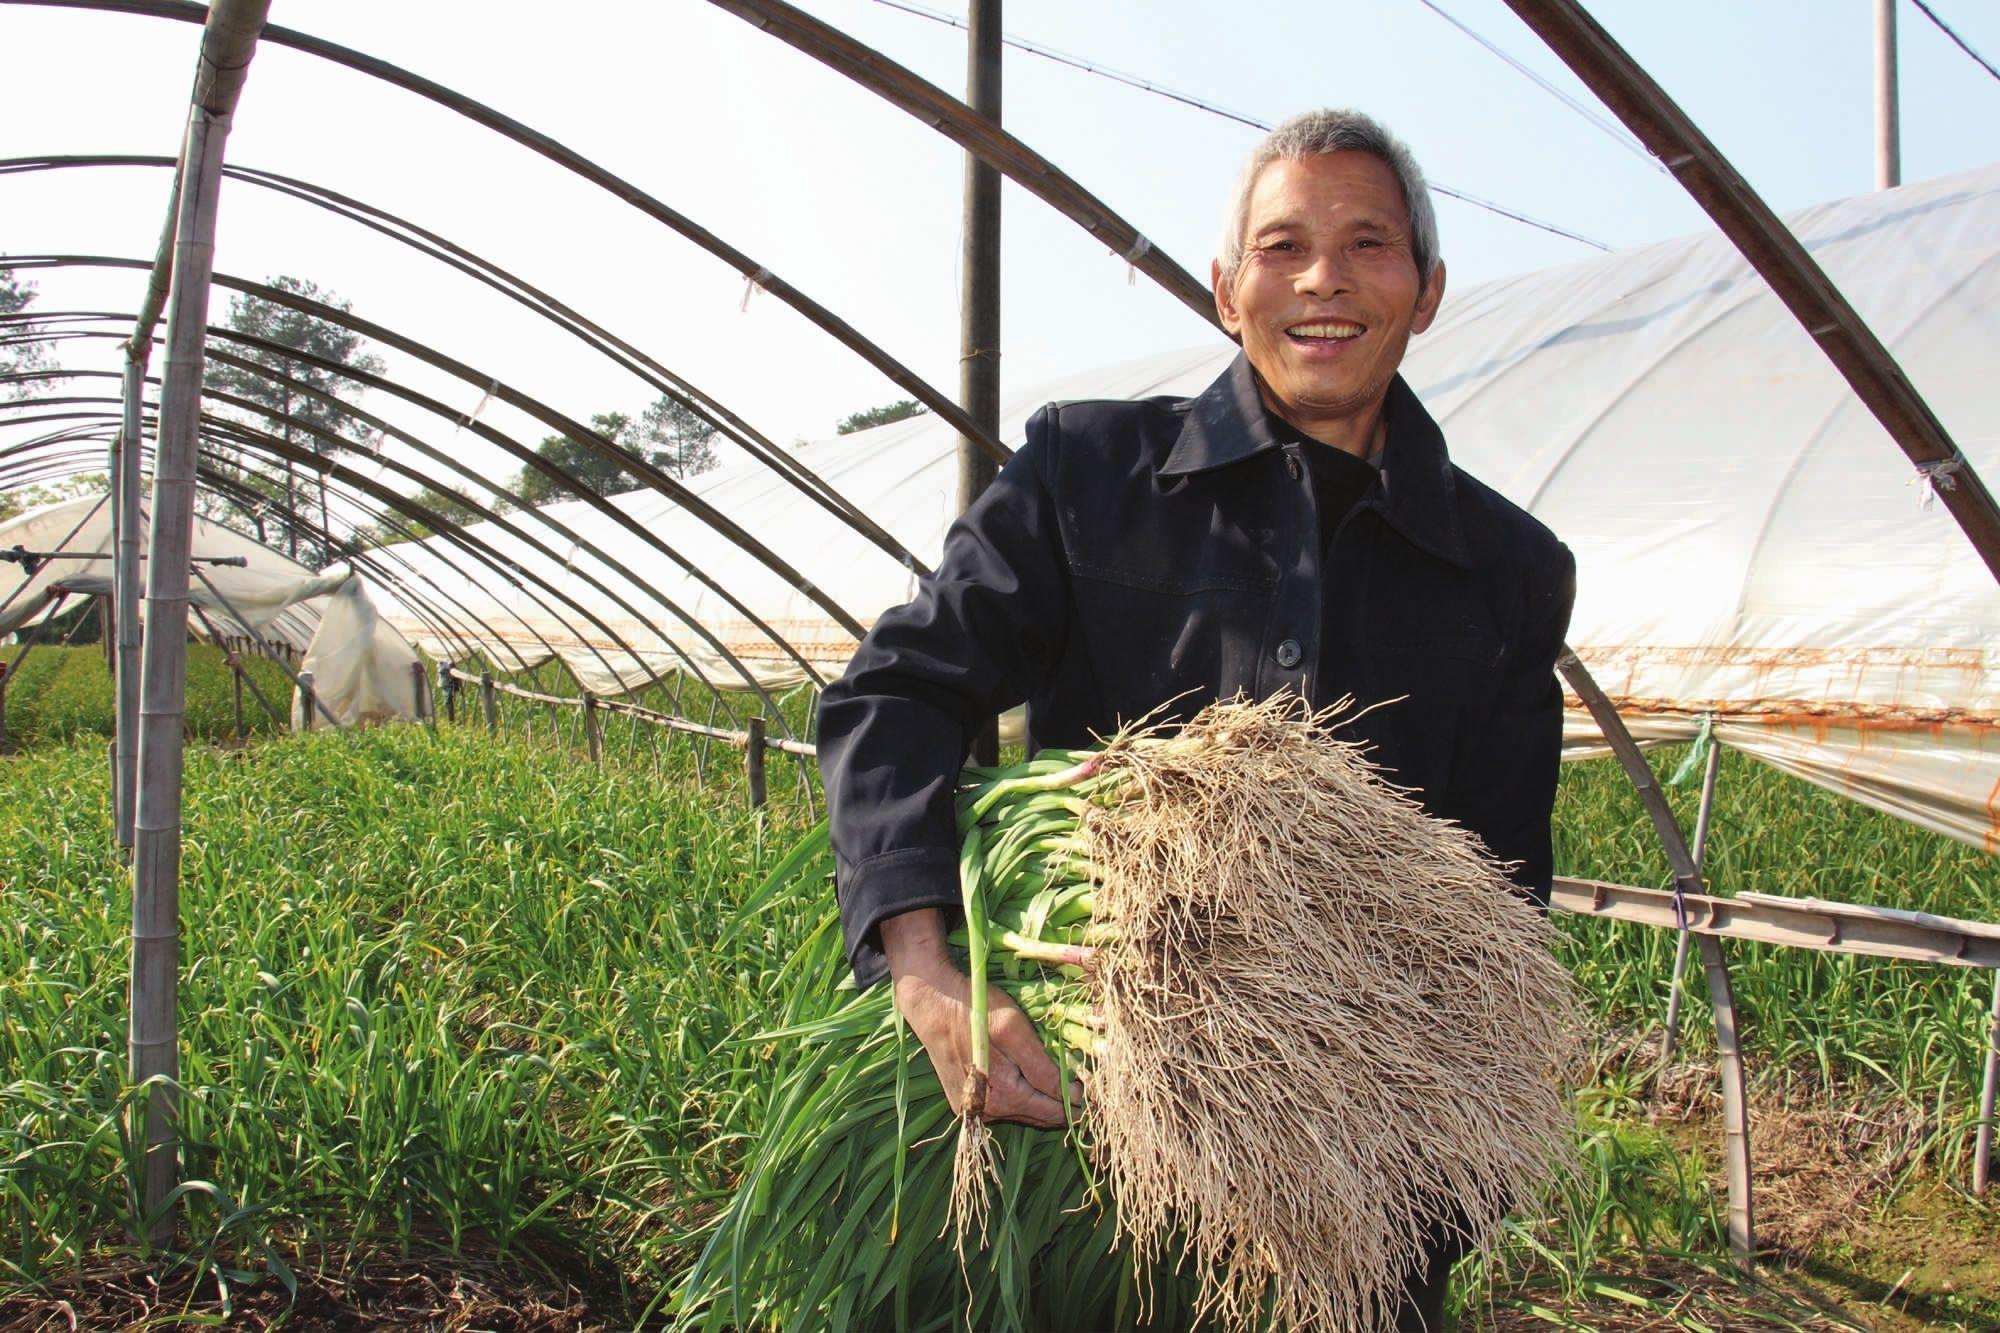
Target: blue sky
858 204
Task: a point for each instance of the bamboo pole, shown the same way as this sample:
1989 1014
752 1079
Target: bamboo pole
488 703
979 312
125 524
448 686
308 698
228 42
236 695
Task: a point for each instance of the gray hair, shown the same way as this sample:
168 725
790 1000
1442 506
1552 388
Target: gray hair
1312 133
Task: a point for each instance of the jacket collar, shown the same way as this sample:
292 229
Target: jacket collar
1227 423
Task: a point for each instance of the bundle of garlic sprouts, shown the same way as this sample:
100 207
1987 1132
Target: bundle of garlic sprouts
1315 1025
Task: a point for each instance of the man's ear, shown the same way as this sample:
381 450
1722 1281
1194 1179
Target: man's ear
1429 299
1225 305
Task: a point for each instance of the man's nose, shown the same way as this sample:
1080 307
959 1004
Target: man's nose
1325 275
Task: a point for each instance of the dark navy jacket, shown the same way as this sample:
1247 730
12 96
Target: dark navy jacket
1138 552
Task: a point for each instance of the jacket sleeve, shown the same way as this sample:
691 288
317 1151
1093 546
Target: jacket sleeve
1506 788
894 730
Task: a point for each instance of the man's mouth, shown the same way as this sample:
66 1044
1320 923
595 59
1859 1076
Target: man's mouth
1323 333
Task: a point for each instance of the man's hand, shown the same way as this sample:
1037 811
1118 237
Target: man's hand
935 999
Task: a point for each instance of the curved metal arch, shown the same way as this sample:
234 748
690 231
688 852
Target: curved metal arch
246 437
571 428
498 519
978 136
508 569
448 626
377 561
569 159
12 473
517 450
321 433
101 435
628 356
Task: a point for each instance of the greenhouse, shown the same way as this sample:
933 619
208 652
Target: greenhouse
418 877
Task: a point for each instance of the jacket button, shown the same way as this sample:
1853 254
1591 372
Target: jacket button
1289 654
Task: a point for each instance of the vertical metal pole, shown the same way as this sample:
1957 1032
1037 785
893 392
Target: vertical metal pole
753 764
979 337
1982 1148
592 738
1701 822
1888 135
126 526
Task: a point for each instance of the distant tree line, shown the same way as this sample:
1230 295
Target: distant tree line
303 370
900 410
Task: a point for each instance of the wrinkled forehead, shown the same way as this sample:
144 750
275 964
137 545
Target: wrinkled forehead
1346 188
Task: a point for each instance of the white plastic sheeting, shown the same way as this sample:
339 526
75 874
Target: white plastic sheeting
361 663
270 591
1751 544
361 666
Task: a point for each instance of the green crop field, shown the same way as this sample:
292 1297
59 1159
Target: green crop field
473 1005
65 693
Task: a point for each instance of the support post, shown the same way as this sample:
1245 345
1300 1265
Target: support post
488 703
753 764
308 698
228 41
1888 134
3 705
1710 769
1982 1148
417 674
125 573
448 686
593 738
235 660
1722 997
979 334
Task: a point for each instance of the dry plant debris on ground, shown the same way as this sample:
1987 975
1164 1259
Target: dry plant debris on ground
451 1294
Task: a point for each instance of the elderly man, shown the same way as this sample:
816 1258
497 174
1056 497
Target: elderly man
1298 526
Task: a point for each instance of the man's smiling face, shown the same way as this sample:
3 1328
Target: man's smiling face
1327 294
